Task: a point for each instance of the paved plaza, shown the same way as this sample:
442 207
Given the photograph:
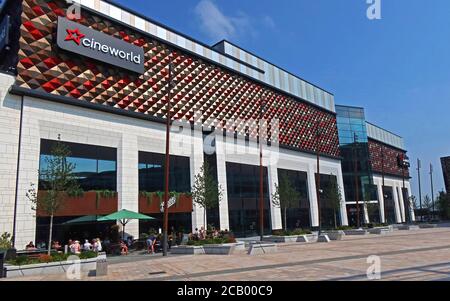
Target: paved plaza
405 255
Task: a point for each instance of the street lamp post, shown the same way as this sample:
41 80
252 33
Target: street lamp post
167 163
419 165
261 172
432 187
318 136
382 177
355 152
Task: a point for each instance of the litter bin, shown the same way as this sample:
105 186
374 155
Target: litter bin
2 269
102 265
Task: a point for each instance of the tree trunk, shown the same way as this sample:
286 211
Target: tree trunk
285 219
49 247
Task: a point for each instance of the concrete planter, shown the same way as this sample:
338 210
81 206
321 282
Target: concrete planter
221 249
356 232
187 250
311 237
262 248
378 231
286 239
428 226
51 268
335 235
407 227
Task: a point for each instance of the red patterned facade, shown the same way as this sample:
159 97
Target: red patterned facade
202 90
391 165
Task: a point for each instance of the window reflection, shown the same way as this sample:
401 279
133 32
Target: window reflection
151 173
243 199
95 166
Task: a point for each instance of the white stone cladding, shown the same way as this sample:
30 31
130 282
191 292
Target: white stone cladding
399 202
43 119
274 158
9 144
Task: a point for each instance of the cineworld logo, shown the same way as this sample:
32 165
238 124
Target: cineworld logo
85 41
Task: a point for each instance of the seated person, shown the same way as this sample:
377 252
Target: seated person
30 246
123 248
56 245
129 241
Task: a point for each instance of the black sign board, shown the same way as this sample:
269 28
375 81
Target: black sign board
85 41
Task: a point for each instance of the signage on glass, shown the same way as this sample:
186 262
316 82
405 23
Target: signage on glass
85 41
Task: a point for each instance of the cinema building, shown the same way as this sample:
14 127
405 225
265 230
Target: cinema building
375 170
100 84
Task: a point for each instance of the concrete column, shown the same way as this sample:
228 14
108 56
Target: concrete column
275 211
128 180
9 144
312 195
381 202
398 215
343 211
366 213
402 203
411 205
196 162
222 179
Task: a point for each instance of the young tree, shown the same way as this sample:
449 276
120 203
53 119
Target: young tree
57 181
285 196
427 206
333 194
206 192
443 205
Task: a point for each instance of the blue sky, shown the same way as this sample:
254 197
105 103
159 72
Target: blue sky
398 67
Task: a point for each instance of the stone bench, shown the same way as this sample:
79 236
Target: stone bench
262 248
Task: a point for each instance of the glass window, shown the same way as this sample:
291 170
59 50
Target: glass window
243 199
95 166
151 173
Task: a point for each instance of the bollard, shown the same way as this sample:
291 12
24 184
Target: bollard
102 264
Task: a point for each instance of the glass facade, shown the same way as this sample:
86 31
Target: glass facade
329 214
151 179
151 173
356 167
212 215
389 204
95 166
299 216
243 199
95 170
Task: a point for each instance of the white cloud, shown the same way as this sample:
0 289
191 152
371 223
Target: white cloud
218 26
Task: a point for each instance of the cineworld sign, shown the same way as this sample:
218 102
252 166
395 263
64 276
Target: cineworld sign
85 41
